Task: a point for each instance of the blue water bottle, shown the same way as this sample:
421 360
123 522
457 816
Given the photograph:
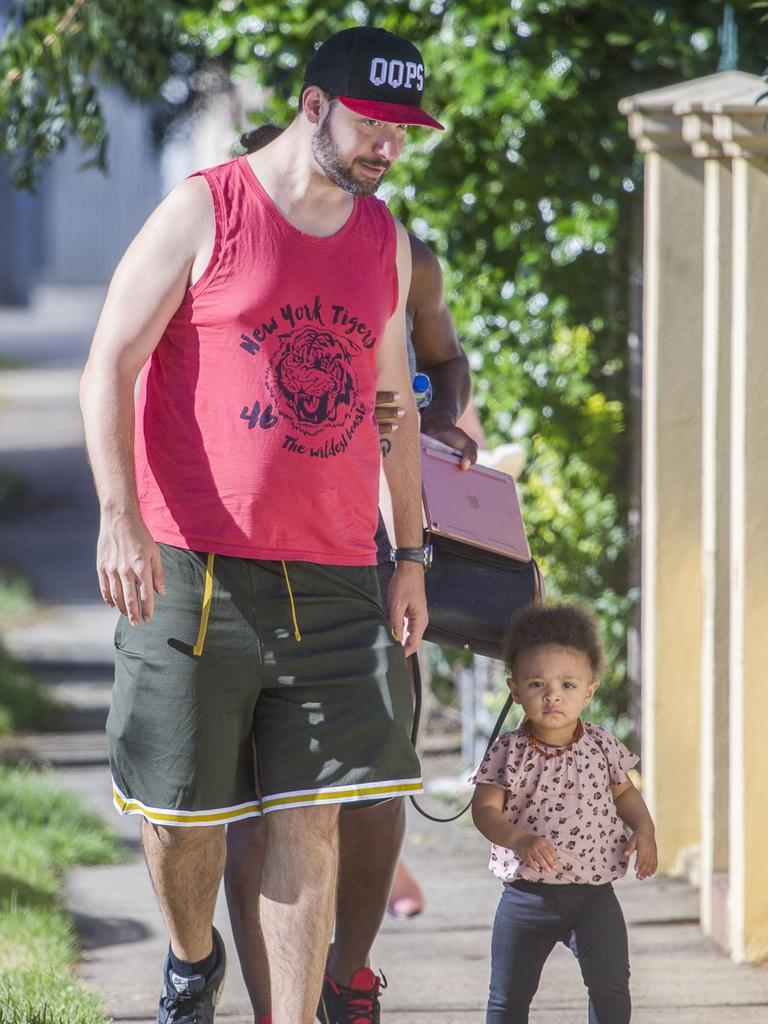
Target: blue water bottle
422 390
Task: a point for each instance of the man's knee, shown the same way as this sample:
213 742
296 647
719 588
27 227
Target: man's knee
307 825
180 838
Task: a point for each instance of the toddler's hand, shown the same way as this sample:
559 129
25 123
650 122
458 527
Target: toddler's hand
644 842
536 852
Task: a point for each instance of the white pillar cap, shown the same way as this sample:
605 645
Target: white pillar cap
718 115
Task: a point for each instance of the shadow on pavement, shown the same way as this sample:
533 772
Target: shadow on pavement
98 932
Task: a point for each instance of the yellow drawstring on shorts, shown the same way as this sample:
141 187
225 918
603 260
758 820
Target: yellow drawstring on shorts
197 650
296 632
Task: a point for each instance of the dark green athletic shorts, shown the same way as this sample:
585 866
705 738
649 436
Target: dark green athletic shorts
258 686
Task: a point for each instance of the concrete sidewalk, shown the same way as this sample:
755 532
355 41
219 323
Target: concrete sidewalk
436 965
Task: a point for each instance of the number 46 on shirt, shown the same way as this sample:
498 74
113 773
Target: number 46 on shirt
264 419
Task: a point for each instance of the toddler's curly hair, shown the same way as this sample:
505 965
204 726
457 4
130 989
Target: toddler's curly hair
565 624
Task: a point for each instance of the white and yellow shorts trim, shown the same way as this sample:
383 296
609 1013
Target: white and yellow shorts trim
363 792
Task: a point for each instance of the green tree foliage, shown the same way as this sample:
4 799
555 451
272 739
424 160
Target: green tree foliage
527 197
56 56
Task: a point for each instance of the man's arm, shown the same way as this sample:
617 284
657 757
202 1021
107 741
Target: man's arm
439 354
146 289
402 467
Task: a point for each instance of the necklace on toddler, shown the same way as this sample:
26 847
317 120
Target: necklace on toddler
543 748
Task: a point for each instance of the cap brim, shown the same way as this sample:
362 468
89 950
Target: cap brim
392 113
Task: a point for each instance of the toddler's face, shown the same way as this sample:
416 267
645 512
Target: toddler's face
553 684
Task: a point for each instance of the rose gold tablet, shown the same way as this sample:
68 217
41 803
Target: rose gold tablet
478 506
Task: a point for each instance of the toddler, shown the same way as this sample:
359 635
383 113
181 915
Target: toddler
551 797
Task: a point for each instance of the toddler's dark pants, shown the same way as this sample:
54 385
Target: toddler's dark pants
531 919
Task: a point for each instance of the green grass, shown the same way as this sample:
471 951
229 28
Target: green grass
50 823
16 598
43 831
50 998
23 704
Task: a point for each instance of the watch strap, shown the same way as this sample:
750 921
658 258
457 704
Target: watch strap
422 555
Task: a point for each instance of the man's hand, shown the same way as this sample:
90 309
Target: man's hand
643 841
407 603
443 428
388 412
536 852
129 567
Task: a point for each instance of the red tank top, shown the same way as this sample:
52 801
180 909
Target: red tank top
255 426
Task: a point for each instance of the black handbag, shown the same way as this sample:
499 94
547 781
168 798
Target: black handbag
472 593
482 570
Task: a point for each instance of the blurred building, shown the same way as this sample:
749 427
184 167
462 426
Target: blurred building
75 228
705 492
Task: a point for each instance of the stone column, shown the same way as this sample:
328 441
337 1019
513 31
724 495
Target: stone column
672 444
720 485
748 896
698 132
716 549
734 897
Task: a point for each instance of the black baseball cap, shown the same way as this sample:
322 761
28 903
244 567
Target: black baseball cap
374 73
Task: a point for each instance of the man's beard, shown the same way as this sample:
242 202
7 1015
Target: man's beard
331 162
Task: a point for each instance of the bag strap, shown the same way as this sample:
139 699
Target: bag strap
417 704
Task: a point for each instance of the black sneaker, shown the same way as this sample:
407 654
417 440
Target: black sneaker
358 1004
192 1000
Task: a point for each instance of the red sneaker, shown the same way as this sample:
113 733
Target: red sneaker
357 1004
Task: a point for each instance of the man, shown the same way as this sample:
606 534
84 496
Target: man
371 837
268 295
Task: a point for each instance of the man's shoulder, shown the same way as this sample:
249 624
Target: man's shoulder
186 215
222 169
377 209
192 192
